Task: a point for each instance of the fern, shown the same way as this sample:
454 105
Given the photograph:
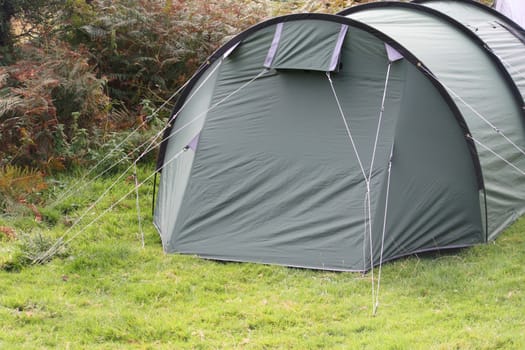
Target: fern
49 88
94 32
9 104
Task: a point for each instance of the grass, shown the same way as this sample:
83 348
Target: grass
110 293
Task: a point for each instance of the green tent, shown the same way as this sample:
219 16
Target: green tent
333 142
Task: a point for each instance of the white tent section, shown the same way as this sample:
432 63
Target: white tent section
514 9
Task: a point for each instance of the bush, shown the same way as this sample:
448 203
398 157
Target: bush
50 102
149 48
83 75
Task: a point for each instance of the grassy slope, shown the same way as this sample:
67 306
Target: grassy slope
110 293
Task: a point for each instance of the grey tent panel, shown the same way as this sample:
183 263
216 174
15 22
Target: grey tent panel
477 86
178 160
426 210
275 178
499 35
277 159
509 49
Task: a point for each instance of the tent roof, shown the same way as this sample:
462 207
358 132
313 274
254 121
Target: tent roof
449 21
475 9
502 36
406 53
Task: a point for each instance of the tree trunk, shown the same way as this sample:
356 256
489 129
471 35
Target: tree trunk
6 14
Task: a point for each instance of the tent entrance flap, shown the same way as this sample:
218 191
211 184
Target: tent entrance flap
298 45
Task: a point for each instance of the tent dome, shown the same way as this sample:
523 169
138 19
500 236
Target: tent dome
338 142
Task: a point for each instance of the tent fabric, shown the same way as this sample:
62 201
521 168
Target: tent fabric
452 48
170 195
514 9
275 148
501 36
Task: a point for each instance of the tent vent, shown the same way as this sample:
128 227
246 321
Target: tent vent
299 46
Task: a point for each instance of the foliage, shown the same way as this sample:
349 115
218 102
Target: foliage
323 6
148 48
7 233
38 248
23 19
119 150
20 188
50 102
30 249
84 69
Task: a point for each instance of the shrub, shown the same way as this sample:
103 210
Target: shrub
149 48
55 107
50 102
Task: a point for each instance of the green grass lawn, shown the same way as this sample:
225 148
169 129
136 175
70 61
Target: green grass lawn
110 293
